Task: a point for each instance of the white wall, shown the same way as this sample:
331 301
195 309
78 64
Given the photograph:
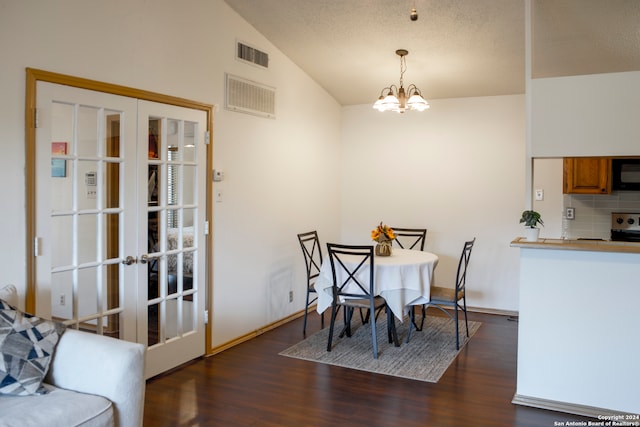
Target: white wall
456 169
281 175
547 176
590 115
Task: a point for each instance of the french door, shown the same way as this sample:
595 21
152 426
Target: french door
120 219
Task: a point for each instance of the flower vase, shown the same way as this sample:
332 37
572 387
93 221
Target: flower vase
383 248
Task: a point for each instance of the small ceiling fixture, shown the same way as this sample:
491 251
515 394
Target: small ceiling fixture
396 99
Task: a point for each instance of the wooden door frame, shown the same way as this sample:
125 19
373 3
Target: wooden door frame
33 76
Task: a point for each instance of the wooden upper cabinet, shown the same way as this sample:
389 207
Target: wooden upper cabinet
587 175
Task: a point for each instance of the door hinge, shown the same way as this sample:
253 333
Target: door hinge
207 137
36 118
206 228
206 317
36 246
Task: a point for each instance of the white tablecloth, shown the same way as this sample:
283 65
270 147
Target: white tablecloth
402 279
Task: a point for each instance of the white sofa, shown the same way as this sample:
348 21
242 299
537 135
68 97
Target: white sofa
93 381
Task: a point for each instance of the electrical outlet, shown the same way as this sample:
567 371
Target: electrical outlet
290 296
570 213
63 299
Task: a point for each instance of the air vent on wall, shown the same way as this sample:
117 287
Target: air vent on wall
245 96
252 55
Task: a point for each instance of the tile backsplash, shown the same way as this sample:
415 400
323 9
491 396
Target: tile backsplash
593 213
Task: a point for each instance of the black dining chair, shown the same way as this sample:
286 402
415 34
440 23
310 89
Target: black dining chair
415 239
452 297
312 252
352 270
410 238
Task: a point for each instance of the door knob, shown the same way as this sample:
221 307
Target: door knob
144 259
129 260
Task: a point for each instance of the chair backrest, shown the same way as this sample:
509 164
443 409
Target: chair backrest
461 276
410 238
310 245
352 269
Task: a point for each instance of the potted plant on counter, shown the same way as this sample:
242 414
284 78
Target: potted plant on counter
530 220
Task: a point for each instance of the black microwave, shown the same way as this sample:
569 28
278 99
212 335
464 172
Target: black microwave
625 174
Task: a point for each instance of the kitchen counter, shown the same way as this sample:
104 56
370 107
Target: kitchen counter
577 326
579 245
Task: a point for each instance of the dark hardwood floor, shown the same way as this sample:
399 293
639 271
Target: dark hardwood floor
251 385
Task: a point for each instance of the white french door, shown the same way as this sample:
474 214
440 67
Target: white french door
174 174
120 219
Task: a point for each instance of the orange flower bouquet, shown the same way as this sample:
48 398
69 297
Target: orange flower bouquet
383 235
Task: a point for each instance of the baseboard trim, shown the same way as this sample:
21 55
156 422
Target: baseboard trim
257 332
498 312
569 408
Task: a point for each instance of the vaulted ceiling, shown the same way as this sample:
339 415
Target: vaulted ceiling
457 48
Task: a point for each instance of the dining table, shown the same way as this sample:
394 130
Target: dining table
403 279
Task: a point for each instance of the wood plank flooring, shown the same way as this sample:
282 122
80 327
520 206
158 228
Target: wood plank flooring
251 385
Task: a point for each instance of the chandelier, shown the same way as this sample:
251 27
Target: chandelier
396 99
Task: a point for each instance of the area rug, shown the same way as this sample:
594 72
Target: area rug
425 358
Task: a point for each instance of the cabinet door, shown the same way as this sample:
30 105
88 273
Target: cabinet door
587 175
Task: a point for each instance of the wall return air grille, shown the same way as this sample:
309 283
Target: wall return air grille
251 54
245 96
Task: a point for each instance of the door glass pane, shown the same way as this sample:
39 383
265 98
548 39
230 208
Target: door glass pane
87 291
87 238
111 286
187 277
172 276
188 321
87 182
153 327
173 184
173 135
112 143
61 185
111 198
189 153
155 127
112 326
172 325
111 242
153 191
62 119
61 234
88 131
62 295
188 216
189 188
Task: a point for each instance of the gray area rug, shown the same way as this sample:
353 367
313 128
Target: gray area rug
425 358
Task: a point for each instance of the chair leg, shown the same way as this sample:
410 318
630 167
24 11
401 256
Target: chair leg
466 322
373 336
391 327
456 320
346 315
333 320
306 309
412 322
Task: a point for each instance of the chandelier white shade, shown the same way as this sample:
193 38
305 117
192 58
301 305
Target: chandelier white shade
397 99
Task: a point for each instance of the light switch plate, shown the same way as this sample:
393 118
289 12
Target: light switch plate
539 194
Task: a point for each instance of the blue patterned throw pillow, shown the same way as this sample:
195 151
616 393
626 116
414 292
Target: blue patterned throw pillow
27 344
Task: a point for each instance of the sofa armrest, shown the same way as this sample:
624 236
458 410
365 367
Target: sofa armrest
105 366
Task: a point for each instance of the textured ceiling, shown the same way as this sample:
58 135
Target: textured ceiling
457 48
